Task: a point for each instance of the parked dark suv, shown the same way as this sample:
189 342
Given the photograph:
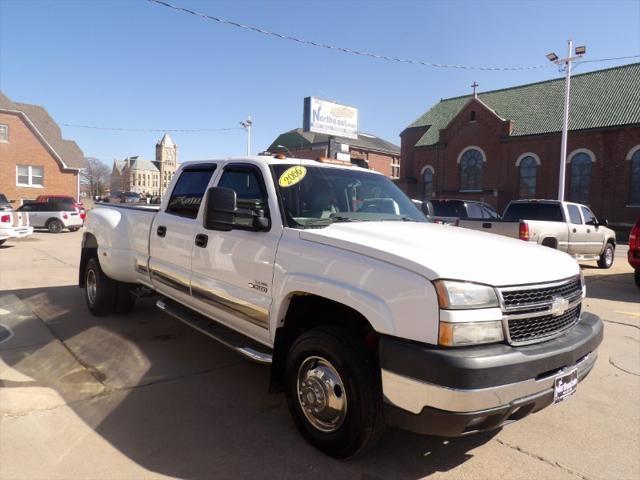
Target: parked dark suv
450 211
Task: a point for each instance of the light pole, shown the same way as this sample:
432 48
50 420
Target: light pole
247 126
288 151
564 64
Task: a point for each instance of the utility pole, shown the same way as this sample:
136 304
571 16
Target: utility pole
564 64
247 126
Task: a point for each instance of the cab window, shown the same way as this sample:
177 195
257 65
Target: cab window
250 190
589 217
186 196
574 215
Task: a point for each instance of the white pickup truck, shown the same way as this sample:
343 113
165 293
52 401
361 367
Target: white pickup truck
566 226
367 313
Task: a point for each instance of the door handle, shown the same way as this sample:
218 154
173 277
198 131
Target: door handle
588 230
574 230
201 240
162 231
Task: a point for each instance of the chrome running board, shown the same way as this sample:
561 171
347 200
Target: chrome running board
236 341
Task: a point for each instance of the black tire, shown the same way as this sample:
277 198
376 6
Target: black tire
125 300
74 229
101 301
636 276
2 241
606 259
362 423
55 226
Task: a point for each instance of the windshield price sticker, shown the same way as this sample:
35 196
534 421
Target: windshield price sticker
291 176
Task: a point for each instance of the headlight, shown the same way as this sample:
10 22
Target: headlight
454 295
469 333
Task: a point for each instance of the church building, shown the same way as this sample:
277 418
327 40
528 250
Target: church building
146 177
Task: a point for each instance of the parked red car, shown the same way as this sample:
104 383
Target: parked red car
63 198
634 250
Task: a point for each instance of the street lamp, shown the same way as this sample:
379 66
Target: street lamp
564 64
247 124
288 151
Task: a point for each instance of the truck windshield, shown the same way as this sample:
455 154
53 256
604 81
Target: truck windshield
550 212
316 196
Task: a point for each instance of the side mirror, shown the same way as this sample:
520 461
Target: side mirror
220 209
222 212
603 222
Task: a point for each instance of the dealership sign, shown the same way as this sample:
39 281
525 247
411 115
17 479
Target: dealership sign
322 116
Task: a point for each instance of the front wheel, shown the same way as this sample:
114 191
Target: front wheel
334 392
636 276
606 259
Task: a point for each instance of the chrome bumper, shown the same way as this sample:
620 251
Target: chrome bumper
414 395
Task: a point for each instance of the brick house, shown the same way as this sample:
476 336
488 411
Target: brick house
366 151
505 144
34 158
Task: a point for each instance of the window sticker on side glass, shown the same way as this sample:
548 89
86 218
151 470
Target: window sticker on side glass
292 175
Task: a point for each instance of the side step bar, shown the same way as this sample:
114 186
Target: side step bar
236 341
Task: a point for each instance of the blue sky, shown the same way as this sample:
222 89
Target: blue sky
134 64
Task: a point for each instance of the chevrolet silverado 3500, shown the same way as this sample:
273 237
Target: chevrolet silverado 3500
367 313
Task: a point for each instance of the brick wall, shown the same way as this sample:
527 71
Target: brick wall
25 148
610 179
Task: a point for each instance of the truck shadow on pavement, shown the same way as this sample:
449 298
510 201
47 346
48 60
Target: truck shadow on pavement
618 287
177 403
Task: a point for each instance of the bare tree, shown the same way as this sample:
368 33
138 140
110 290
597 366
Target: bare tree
96 175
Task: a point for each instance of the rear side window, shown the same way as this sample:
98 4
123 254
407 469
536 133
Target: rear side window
548 212
574 215
187 195
446 208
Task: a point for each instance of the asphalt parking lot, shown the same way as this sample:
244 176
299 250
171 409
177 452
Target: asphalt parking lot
142 396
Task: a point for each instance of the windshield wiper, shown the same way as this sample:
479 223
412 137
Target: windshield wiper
330 220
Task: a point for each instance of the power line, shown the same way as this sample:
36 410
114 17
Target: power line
357 52
182 130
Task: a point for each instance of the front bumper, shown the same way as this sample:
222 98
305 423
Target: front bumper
453 392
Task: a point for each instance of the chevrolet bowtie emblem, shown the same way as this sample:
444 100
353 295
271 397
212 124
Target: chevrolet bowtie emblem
559 305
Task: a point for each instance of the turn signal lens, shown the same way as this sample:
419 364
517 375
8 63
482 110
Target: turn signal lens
523 231
5 218
469 333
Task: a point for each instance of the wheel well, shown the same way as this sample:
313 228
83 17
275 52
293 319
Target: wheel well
89 250
52 219
550 242
309 311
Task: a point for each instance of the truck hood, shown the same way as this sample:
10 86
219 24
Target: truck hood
441 251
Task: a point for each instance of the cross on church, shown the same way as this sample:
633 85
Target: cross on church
475 85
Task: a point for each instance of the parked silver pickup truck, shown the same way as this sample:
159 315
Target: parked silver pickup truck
569 227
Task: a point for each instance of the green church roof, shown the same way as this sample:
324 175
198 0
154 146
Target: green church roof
604 98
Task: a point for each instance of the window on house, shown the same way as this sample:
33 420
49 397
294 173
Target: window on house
580 179
471 165
634 186
395 167
528 176
427 184
473 116
29 176
4 132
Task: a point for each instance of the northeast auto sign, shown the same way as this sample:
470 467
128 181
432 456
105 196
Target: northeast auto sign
322 116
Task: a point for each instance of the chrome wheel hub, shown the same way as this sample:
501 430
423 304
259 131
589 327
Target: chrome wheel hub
321 394
91 286
608 255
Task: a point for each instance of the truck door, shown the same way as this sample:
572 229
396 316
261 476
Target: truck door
594 243
577 236
232 271
173 231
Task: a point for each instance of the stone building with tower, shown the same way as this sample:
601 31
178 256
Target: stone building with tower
502 145
146 177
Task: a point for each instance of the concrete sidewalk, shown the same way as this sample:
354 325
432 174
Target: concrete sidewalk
143 396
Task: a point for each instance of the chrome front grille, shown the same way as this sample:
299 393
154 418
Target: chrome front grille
535 313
